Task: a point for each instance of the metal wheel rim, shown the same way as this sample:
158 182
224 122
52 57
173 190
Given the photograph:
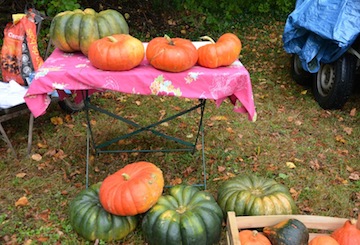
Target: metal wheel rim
297 65
325 79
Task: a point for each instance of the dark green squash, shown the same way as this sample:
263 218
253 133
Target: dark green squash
89 219
72 31
253 195
185 216
287 232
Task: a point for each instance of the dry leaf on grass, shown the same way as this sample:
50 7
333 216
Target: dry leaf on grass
23 201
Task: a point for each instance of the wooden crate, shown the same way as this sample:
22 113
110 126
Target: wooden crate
321 223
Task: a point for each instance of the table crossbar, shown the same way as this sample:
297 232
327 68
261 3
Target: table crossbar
188 146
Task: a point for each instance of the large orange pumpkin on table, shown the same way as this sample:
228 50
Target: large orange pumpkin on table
223 52
171 54
132 190
119 52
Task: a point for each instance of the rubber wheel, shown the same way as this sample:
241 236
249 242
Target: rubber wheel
334 82
299 75
69 106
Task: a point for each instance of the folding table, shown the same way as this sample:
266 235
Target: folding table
73 71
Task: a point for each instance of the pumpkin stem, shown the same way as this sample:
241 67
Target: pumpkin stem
112 39
255 233
125 176
168 39
207 38
181 210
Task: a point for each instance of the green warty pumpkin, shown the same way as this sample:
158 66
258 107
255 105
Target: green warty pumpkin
75 30
90 220
185 216
253 195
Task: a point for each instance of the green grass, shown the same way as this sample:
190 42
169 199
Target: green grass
290 127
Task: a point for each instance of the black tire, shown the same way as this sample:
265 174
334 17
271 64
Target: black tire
69 106
299 75
334 82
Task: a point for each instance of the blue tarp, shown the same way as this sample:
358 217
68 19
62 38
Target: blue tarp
321 30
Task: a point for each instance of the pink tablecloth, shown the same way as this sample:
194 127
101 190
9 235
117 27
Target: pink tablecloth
73 71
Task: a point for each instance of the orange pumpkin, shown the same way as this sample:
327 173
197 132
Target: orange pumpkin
323 240
132 190
253 237
221 53
119 52
348 234
171 54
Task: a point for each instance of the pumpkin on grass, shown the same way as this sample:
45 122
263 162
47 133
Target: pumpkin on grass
91 221
119 52
132 190
185 216
253 237
253 195
348 234
171 54
221 53
72 31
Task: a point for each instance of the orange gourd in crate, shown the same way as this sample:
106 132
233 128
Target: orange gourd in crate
323 240
253 237
348 234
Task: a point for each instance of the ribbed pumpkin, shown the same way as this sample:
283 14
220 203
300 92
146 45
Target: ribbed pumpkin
119 52
91 221
223 52
348 234
171 54
132 190
185 216
75 30
253 195
287 232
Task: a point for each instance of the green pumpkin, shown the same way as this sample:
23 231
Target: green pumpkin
253 195
287 232
89 219
185 216
72 31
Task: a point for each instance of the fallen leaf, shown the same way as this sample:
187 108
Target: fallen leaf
221 169
340 139
23 201
219 118
354 176
20 175
176 181
348 130
353 112
290 165
37 157
56 120
41 145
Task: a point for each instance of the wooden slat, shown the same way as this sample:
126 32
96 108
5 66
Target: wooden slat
311 221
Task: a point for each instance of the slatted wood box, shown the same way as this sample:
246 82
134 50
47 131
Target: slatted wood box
323 225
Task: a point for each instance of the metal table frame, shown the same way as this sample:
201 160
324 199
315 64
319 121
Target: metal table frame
99 147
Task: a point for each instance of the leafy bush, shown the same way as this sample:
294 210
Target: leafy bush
52 7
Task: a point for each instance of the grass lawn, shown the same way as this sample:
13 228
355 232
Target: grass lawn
291 130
